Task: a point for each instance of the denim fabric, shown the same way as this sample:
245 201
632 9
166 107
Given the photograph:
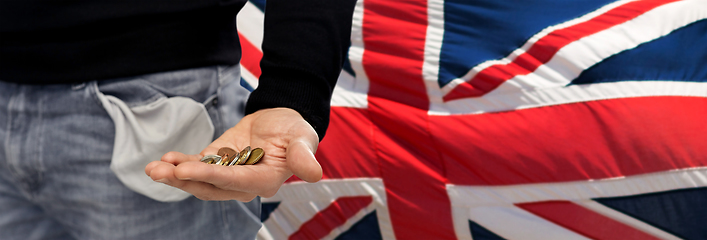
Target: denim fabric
55 152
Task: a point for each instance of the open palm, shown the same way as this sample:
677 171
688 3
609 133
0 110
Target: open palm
289 143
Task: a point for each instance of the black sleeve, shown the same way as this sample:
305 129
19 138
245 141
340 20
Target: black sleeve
304 46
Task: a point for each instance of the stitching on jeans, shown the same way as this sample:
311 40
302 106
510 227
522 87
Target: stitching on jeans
8 133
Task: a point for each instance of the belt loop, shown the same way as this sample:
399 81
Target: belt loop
226 73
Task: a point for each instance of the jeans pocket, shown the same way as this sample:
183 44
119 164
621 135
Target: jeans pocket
143 133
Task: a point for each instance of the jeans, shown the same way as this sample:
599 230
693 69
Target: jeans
55 155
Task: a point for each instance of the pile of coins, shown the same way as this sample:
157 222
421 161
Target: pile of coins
229 157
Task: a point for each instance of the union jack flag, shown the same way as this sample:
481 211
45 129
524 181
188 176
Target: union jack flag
489 119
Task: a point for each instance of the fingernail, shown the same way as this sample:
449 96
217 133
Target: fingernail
163 180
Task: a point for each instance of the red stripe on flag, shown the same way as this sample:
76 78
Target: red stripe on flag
394 34
250 56
546 47
584 221
347 149
571 142
335 215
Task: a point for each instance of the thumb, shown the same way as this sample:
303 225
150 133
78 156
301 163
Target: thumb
302 163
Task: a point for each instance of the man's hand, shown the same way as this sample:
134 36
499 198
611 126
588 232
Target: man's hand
289 143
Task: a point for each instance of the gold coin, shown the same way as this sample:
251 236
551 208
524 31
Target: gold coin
243 156
227 154
255 156
234 160
230 160
211 159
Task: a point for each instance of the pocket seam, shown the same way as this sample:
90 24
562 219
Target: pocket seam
156 95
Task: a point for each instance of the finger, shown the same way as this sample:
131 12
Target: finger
151 166
208 192
164 172
302 163
252 179
177 158
161 172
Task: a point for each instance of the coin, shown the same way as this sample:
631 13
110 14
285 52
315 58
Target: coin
211 159
228 154
255 156
245 153
234 160
231 160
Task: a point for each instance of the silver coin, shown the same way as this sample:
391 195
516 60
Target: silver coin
243 156
211 159
234 160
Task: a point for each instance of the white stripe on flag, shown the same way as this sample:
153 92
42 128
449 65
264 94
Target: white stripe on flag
582 54
350 222
531 98
545 86
531 42
475 196
249 77
353 91
625 219
346 93
250 22
511 222
300 201
433 42
494 208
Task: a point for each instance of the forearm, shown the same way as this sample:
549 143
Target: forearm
304 46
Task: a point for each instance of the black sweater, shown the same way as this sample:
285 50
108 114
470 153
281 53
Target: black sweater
69 41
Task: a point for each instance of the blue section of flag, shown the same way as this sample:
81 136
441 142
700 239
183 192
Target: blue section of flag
366 228
480 233
477 31
246 85
678 56
259 4
266 209
347 65
682 213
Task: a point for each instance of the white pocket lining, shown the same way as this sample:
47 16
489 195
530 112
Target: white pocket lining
144 133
